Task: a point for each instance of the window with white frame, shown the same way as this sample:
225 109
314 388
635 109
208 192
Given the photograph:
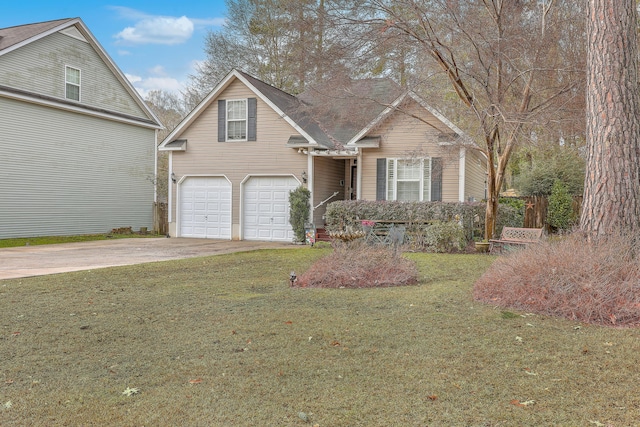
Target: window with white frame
72 83
237 120
409 179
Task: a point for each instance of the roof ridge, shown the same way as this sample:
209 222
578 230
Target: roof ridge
39 23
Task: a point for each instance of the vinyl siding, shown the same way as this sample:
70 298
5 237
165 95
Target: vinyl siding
328 173
237 160
64 173
475 175
404 136
39 67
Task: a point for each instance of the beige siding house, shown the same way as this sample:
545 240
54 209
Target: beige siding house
79 143
235 158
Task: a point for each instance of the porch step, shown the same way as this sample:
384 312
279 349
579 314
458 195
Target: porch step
322 235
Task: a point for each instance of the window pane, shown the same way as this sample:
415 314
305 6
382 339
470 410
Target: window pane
409 170
408 191
236 110
236 130
73 92
73 76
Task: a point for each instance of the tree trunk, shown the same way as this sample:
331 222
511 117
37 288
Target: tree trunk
612 183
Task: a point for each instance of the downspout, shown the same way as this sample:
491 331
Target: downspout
310 181
462 172
170 189
155 168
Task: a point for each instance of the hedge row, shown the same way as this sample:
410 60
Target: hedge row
349 213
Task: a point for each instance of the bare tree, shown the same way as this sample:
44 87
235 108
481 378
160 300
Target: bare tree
170 108
504 59
612 184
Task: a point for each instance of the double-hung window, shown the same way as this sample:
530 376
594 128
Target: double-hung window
72 83
237 120
409 180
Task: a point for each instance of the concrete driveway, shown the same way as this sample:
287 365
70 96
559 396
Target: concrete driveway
28 261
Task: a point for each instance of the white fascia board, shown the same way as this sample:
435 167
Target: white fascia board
77 109
213 95
466 138
376 121
275 108
195 113
84 30
25 42
117 72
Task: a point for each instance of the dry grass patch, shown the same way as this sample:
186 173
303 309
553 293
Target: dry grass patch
358 265
591 282
225 341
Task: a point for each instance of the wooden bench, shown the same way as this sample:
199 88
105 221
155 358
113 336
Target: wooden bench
515 237
390 232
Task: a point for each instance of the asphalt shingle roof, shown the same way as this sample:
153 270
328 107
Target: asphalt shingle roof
13 35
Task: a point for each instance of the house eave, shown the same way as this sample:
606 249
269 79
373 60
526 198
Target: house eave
63 104
175 145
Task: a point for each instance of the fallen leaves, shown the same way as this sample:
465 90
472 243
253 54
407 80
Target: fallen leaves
196 381
7 405
131 391
516 402
432 397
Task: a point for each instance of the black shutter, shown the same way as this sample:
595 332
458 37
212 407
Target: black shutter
436 179
222 120
381 179
252 106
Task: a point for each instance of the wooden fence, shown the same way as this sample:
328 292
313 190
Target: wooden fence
160 218
535 211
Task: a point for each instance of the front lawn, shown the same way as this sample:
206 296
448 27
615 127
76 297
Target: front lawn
224 341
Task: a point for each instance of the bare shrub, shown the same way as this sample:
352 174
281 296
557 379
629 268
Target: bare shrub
593 282
358 265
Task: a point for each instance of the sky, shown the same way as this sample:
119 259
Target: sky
156 43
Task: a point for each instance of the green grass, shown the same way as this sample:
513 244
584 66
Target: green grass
50 240
224 341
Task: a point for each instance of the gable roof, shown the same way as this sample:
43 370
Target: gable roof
329 115
285 105
345 109
12 38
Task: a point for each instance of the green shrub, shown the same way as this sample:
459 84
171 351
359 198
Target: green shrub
560 213
349 213
444 237
299 211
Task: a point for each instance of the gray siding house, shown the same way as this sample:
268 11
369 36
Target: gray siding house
78 142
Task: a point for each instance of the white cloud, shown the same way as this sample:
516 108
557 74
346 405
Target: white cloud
158 70
158 30
147 84
133 78
124 52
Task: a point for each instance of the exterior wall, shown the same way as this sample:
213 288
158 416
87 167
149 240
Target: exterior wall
475 176
64 173
403 136
39 67
268 155
328 173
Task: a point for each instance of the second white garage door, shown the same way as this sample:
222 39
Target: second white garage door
205 208
265 208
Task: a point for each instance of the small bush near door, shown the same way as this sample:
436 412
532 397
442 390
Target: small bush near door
299 211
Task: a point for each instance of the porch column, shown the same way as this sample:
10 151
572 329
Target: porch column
359 175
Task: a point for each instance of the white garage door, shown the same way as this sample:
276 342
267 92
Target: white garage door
266 208
205 208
